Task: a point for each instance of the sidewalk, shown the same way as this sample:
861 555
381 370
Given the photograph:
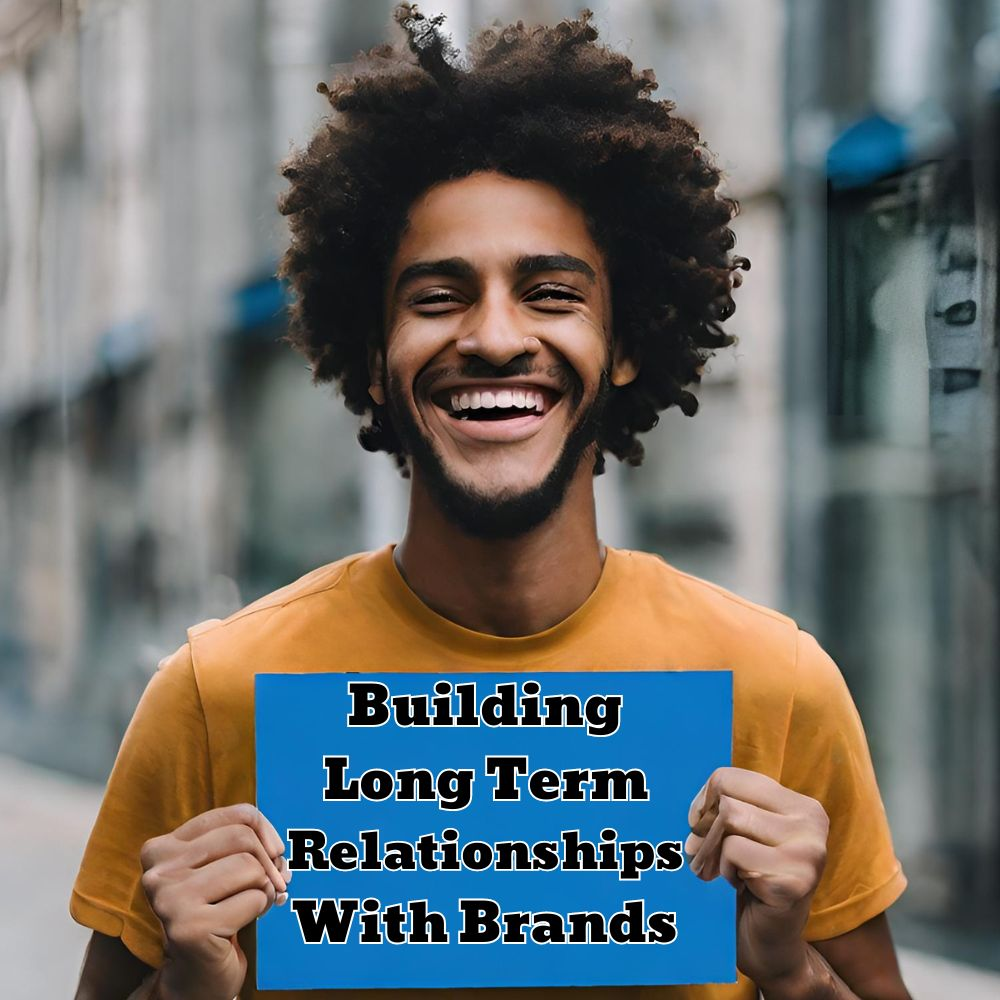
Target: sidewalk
45 819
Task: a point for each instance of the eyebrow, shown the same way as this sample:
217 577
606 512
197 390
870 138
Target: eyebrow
459 267
534 263
449 267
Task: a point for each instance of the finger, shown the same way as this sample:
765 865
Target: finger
231 915
269 836
771 876
226 877
748 786
691 845
235 839
744 861
705 861
747 819
243 812
734 817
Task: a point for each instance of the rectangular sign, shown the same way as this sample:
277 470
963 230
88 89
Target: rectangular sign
491 829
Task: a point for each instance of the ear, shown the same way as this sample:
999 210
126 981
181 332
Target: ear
376 372
624 365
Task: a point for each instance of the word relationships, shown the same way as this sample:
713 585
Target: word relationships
372 704
482 922
630 858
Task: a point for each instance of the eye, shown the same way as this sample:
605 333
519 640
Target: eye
553 293
435 301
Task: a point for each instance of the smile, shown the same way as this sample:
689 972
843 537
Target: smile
496 411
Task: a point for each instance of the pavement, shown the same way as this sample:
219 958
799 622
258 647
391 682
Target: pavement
45 819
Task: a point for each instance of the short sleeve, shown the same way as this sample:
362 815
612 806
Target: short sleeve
161 778
826 757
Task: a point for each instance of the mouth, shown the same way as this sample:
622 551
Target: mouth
496 411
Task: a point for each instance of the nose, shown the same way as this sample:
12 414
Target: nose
494 333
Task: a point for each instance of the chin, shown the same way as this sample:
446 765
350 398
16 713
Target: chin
497 514
505 512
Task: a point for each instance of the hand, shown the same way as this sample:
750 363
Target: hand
205 881
770 843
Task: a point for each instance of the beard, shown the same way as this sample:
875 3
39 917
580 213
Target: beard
504 514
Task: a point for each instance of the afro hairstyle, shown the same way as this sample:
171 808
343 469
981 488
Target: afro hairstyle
541 103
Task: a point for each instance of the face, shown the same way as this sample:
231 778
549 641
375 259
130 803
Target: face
497 348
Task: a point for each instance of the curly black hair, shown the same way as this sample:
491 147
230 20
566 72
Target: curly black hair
543 103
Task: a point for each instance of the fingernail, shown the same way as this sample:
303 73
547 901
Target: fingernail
696 803
689 845
281 899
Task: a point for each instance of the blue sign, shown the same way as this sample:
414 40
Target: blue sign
491 829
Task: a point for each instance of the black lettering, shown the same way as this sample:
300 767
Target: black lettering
506 769
307 850
547 928
603 714
637 856
629 926
372 710
336 790
332 920
393 921
426 926
662 928
513 927
587 928
669 856
480 923
615 785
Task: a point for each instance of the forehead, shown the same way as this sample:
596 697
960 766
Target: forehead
488 217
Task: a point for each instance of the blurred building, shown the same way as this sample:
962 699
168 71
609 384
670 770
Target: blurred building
164 458
892 514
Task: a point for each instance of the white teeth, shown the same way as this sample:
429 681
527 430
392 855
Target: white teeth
523 399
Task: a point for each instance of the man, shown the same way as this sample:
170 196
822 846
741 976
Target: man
511 267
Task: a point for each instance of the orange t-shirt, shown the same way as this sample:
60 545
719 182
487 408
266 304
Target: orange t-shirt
190 745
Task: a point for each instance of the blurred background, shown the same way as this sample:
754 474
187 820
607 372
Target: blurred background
158 442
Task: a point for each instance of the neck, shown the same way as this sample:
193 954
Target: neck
507 587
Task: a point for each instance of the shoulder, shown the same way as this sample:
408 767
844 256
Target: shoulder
295 596
308 595
724 623
278 629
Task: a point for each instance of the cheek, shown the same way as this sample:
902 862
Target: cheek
411 345
584 346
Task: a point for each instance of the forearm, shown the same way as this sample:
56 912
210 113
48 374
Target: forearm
159 986
147 989
814 979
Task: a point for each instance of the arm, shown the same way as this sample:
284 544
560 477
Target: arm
769 842
110 971
205 881
865 959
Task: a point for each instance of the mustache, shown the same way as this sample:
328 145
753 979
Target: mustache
479 368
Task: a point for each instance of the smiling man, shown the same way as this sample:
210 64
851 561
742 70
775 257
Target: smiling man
509 268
